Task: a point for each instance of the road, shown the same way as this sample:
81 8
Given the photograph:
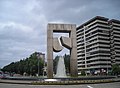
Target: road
103 85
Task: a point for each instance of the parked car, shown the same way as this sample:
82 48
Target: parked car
2 75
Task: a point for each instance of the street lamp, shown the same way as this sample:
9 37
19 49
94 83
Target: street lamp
38 64
40 56
107 66
43 56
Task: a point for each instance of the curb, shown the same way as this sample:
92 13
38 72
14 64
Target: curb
78 82
15 82
74 82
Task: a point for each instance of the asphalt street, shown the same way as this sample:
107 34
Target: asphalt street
103 85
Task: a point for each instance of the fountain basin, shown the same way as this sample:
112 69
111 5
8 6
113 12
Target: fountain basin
50 80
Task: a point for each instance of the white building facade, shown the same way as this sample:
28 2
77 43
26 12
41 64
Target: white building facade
95 51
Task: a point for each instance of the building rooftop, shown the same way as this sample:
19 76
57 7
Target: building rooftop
91 20
114 21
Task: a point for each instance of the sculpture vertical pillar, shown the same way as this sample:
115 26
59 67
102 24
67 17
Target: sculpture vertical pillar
73 53
49 53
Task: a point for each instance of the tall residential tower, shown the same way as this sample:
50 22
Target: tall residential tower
115 41
98 45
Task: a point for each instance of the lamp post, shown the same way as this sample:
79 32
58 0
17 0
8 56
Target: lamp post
38 63
40 56
107 66
43 65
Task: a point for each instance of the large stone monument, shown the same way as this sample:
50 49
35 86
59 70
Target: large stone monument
67 42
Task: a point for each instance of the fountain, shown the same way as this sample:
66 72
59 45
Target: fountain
54 45
61 72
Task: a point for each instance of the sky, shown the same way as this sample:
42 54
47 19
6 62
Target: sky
23 23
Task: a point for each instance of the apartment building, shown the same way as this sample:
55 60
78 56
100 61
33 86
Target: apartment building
115 41
98 45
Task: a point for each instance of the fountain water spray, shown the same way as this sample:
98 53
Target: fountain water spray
61 72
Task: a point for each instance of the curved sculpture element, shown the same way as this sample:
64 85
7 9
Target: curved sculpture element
66 42
56 45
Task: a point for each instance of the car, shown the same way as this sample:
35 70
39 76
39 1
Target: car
1 75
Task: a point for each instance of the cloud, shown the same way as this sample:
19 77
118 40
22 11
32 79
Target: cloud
22 31
78 11
17 41
23 23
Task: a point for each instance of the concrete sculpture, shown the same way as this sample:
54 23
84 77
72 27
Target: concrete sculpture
54 45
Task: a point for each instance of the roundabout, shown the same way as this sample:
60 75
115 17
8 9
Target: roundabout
102 85
60 81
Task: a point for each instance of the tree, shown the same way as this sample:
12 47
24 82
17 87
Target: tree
28 65
83 73
55 62
116 69
67 63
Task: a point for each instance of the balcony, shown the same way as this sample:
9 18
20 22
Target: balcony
98 62
80 54
104 41
92 55
91 30
115 24
103 37
105 26
92 38
99 66
104 45
104 49
93 58
80 33
80 43
116 28
91 43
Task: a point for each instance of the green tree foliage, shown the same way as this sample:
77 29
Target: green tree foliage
83 73
116 69
28 65
67 63
55 62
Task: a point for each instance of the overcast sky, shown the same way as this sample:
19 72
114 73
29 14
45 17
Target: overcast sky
23 23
